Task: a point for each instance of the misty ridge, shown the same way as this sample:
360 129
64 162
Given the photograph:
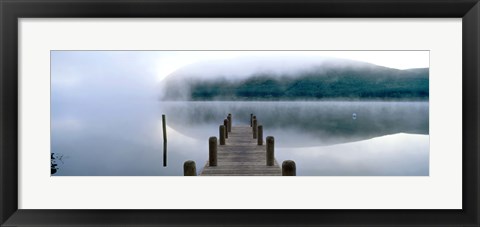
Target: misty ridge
293 78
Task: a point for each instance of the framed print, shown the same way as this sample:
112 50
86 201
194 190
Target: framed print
372 107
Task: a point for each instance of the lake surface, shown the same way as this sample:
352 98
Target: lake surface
323 138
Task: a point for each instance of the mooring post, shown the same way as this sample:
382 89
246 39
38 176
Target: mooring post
212 151
221 130
251 119
229 118
254 128
289 168
270 151
164 127
260 135
225 123
165 154
189 168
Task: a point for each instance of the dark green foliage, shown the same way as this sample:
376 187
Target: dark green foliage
332 83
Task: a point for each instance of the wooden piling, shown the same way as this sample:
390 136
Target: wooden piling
221 130
251 119
260 135
254 128
212 151
164 127
229 118
270 151
254 118
225 123
289 168
189 168
165 154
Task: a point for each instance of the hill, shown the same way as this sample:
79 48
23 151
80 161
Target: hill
327 79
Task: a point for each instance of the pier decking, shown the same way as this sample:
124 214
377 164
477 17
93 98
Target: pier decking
241 151
241 156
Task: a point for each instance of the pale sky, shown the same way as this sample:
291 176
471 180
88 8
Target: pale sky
135 71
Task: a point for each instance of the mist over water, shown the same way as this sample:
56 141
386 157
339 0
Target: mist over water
106 121
307 123
386 138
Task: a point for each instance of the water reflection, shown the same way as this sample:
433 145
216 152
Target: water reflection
386 138
306 123
392 155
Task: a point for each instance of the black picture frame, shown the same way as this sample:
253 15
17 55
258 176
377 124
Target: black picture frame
12 10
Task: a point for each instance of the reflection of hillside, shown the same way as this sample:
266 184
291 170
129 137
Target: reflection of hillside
304 123
398 154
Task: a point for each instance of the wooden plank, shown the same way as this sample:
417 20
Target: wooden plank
235 171
240 168
226 163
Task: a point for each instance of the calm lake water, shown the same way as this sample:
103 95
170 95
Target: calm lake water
324 138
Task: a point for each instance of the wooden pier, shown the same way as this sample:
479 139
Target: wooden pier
241 156
241 151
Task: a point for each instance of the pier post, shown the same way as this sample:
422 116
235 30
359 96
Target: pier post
225 123
212 151
289 168
189 168
254 128
229 122
251 119
270 151
221 130
260 135
164 127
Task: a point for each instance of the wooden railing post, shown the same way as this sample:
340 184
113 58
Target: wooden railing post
254 128
289 168
270 151
260 135
189 168
251 119
212 151
229 122
221 130
225 123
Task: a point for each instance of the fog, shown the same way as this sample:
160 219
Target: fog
98 101
242 67
106 121
307 123
247 77
92 76
385 138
